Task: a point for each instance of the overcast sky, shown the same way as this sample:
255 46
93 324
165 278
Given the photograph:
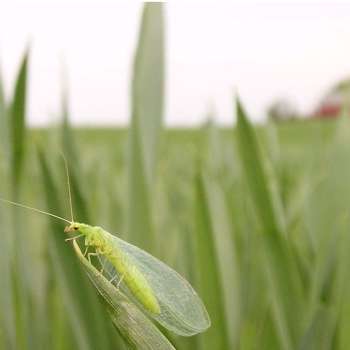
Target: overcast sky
265 51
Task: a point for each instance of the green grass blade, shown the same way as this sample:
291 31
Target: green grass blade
7 330
320 335
267 205
225 255
148 85
209 283
4 125
17 124
147 110
7 319
25 332
282 276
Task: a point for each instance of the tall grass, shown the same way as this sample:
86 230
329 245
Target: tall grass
147 108
256 218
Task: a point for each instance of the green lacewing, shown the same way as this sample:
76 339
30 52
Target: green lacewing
156 288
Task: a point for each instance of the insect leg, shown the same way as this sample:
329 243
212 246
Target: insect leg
120 280
103 266
73 238
113 278
87 247
90 255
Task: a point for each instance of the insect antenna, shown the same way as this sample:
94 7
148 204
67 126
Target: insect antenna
68 185
33 209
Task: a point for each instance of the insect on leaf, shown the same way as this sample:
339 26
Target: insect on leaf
181 309
137 330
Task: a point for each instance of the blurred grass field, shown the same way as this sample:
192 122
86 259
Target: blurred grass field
255 217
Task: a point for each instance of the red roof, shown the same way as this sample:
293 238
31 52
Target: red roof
328 111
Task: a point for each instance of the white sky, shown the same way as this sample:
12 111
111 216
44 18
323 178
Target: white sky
264 51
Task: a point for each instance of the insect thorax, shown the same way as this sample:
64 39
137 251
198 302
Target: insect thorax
95 237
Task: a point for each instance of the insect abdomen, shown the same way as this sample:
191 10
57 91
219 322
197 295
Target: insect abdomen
135 281
131 275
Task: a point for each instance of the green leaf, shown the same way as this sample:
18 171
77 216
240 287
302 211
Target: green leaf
7 327
320 334
4 123
17 124
148 85
210 281
25 332
147 111
282 276
261 185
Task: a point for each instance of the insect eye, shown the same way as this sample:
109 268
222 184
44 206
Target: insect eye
75 228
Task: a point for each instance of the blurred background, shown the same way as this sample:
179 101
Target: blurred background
214 136
268 52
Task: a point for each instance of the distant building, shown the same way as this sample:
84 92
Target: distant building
281 110
334 101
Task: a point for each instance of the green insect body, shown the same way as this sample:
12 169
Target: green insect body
133 278
166 296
